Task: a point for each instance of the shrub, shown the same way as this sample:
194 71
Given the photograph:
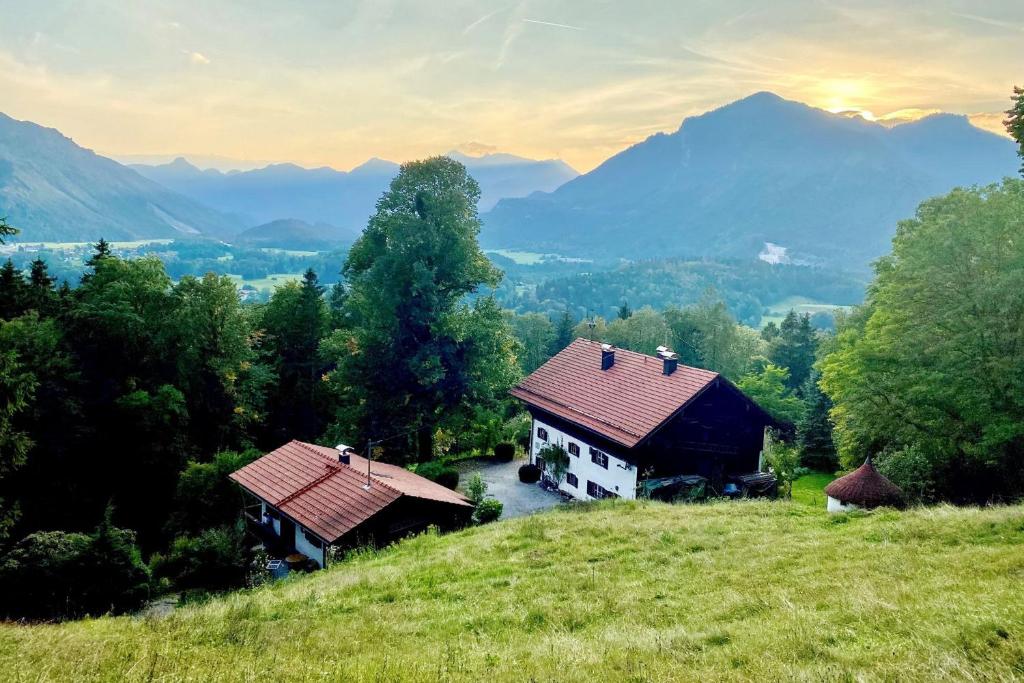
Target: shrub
437 471
517 429
783 461
205 496
556 461
487 511
216 559
529 474
476 489
57 574
504 452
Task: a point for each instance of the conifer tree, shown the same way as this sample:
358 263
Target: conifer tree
1015 122
12 291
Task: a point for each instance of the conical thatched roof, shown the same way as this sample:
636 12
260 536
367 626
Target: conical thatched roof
866 487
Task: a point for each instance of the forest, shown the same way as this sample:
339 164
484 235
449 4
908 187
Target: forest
126 400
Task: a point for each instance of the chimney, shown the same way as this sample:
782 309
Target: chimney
344 454
607 356
670 360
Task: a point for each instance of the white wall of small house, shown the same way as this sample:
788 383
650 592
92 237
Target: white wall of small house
619 478
275 521
306 548
836 505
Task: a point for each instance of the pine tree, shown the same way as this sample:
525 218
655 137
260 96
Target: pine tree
795 348
814 430
624 311
563 333
101 251
12 291
6 230
40 295
1015 122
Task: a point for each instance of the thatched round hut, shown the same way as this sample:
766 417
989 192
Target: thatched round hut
863 488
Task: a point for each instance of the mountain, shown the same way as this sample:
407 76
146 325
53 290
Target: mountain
288 233
819 187
340 202
54 190
507 176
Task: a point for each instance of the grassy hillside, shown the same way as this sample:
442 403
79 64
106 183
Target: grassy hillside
616 591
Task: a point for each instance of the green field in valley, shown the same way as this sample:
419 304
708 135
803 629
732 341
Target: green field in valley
778 310
618 591
269 282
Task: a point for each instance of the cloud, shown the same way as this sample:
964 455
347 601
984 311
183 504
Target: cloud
198 58
988 21
482 19
476 149
551 23
992 121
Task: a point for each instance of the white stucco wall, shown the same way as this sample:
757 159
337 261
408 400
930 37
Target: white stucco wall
306 548
275 522
836 505
619 478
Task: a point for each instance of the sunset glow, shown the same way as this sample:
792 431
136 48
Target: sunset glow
337 84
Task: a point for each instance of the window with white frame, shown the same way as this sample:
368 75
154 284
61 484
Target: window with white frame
598 458
572 480
574 449
542 434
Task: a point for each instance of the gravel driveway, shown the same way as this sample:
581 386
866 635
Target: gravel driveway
503 483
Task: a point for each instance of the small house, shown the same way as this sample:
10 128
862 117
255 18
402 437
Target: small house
305 498
864 488
633 422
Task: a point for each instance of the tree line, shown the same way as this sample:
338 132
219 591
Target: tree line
126 401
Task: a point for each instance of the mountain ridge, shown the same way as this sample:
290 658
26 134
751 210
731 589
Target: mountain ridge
762 169
53 189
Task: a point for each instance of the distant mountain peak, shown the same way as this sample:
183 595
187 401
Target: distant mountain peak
181 163
376 165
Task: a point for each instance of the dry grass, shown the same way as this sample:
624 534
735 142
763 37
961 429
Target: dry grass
617 591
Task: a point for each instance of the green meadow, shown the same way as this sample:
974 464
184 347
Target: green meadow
623 591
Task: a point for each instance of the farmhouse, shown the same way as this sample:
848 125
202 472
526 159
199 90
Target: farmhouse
633 422
304 498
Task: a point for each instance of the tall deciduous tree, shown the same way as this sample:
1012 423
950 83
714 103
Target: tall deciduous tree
416 355
768 388
707 336
534 333
929 375
641 331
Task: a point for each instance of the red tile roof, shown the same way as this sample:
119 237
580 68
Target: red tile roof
308 484
624 403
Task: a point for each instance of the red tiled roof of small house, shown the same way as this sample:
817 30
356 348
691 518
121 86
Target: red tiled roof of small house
310 485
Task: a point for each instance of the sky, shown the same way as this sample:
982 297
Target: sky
335 82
